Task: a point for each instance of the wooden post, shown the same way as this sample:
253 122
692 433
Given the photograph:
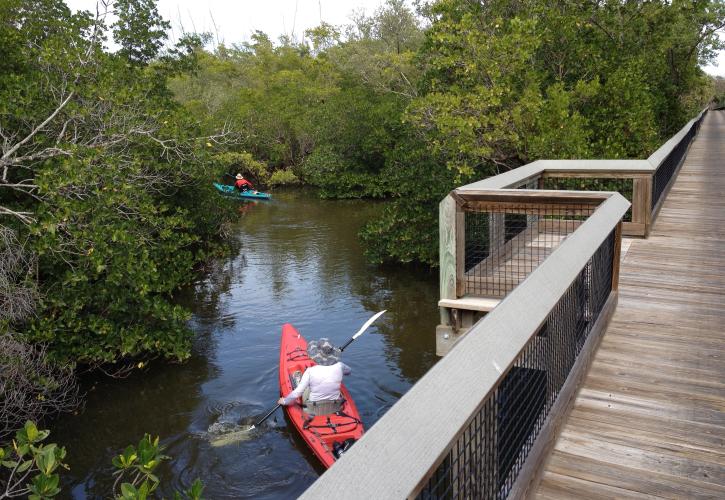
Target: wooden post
460 237
496 231
448 252
616 257
641 206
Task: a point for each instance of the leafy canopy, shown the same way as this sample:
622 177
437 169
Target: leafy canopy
106 177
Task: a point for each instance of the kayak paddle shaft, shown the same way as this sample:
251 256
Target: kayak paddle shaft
267 415
346 344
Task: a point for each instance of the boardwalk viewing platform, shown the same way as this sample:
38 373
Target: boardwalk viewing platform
649 419
582 312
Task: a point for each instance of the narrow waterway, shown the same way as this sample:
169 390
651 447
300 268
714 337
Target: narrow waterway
300 262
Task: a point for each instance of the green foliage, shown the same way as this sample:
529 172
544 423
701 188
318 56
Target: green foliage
482 91
383 108
108 177
283 177
407 230
139 30
507 83
139 463
328 110
717 85
323 37
338 177
266 94
135 472
133 251
31 468
27 459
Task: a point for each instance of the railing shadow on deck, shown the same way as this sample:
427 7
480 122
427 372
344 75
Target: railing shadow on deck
542 265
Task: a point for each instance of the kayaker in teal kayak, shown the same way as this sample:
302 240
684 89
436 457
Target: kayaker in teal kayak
243 184
319 386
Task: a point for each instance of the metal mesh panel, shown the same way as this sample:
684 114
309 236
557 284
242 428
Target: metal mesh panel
624 187
505 243
666 170
486 458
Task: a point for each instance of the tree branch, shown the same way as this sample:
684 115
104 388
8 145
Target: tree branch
40 127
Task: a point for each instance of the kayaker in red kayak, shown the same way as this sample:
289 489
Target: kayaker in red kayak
319 386
243 184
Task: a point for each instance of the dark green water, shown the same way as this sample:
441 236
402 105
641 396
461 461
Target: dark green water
299 262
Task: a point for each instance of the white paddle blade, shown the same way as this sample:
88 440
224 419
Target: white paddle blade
368 323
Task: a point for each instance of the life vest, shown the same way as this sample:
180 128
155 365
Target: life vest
240 183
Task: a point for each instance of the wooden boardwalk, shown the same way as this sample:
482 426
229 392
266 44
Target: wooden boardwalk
649 420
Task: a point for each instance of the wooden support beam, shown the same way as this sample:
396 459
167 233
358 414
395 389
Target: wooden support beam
642 204
481 304
537 196
448 252
616 256
634 229
460 237
529 208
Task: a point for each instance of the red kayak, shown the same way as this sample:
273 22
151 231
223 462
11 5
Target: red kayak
328 436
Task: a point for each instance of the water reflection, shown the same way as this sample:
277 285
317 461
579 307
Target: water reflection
298 261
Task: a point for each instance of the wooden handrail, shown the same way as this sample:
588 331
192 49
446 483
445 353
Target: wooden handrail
397 454
656 158
640 171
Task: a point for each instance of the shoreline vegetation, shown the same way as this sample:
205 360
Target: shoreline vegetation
33 468
106 199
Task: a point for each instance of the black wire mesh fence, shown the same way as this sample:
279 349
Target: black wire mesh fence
504 243
667 169
625 187
486 458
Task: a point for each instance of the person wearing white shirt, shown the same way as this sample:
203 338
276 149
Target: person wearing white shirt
320 384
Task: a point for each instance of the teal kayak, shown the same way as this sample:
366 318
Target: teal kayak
234 192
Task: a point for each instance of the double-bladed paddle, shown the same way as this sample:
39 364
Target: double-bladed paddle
359 332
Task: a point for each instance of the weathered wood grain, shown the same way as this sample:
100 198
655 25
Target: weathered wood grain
447 215
649 420
484 304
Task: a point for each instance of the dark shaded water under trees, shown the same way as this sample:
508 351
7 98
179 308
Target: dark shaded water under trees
300 262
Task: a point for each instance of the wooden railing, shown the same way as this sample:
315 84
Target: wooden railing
529 281
647 180
477 424
642 182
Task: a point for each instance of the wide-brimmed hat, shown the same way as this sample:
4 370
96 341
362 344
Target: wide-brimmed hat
240 176
323 352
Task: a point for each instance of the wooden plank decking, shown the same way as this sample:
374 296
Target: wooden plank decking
649 420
